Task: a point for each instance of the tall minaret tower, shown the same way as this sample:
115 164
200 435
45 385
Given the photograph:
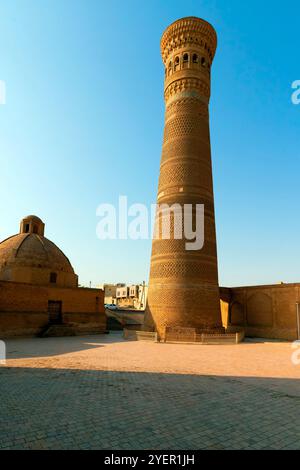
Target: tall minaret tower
183 287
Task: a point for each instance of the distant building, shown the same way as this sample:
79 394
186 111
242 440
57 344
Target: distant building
121 292
110 293
134 296
133 291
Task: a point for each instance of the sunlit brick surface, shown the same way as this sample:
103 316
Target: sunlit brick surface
183 285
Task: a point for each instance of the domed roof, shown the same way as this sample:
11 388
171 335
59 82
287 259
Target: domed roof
32 250
31 257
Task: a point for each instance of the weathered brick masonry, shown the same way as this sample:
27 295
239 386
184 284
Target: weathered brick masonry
24 308
267 311
39 288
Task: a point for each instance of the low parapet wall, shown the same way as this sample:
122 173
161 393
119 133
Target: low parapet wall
191 335
139 335
185 336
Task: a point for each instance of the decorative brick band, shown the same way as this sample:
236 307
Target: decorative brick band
188 31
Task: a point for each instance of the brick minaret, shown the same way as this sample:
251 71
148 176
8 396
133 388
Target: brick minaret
183 287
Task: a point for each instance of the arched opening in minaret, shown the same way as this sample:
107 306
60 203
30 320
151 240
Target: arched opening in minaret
195 59
185 60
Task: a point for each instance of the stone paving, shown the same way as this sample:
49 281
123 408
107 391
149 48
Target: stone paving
101 392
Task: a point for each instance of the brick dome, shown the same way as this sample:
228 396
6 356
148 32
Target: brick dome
31 258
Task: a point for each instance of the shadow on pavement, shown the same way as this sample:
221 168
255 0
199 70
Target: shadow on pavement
77 409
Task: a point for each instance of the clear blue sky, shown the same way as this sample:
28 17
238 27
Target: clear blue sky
84 116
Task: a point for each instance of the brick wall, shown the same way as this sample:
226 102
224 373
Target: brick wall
264 311
37 276
24 308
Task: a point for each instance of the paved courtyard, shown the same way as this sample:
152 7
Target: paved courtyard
100 392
